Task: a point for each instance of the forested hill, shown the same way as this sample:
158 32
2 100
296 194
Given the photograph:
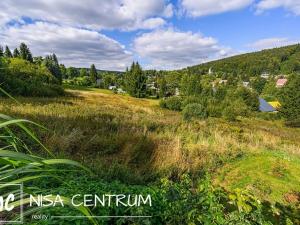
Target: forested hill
274 61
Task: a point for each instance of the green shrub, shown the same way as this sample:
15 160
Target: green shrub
269 116
233 109
172 103
20 77
79 81
293 123
194 111
193 99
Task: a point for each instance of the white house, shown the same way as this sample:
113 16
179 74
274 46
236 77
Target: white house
246 84
265 75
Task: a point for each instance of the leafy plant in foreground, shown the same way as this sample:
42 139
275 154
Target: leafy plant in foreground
18 163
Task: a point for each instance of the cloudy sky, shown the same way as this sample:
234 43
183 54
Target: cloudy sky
160 34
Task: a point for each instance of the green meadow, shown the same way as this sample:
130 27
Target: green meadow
136 142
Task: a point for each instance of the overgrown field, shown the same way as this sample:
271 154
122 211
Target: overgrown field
136 142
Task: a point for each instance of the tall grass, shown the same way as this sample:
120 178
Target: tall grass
135 141
19 163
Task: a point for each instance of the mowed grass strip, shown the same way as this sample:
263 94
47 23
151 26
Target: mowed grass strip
272 176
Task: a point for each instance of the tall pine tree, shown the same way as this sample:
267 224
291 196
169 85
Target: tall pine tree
25 52
1 51
52 64
16 53
7 52
93 73
135 81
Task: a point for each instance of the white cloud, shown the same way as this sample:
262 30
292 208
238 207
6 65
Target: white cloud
95 14
197 8
271 43
73 46
290 5
170 49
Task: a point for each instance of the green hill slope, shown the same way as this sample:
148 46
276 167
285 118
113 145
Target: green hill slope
274 61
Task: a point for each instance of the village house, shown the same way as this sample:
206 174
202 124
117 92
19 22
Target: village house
112 87
281 82
264 106
265 75
246 83
275 104
120 91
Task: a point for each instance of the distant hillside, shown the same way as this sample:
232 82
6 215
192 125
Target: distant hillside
103 71
275 61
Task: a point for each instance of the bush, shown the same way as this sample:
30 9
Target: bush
193 99
195 110
233 109
293 123
80 81
20 77
268 116
172 103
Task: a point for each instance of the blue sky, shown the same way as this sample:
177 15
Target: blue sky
161 34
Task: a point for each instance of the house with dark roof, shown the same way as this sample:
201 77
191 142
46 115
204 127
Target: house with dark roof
264 106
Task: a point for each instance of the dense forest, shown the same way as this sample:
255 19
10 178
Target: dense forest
274 61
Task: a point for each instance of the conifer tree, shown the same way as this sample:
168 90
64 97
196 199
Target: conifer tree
16 53
1 51
93 73
25 52
135 81
52 64
63 71
7 52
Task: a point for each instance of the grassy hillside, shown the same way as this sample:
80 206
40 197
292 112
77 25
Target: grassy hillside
274 61
135 141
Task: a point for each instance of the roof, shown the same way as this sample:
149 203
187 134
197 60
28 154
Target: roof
275 104
281 82
264 106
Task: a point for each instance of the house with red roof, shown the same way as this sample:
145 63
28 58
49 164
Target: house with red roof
281 82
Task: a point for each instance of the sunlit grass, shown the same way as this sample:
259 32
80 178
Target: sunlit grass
113 133
270 175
